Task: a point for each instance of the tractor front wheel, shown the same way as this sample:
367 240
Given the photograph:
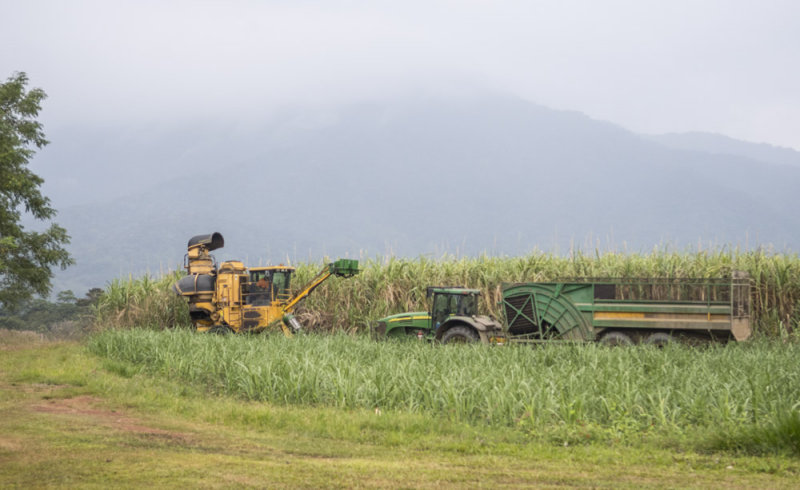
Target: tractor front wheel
460 335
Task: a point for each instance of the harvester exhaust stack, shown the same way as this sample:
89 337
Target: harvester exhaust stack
198 285
211 241
198 260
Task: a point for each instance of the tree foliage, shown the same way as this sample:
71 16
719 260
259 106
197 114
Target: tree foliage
67 316
26 257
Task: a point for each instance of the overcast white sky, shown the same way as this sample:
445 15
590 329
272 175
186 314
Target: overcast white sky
726 66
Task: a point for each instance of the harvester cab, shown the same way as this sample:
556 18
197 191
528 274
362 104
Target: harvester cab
269 285
231 298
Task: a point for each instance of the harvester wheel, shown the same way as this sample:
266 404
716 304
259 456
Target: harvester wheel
460 335
659 339
219 330
615 338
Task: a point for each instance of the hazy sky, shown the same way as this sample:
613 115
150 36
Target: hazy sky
726 66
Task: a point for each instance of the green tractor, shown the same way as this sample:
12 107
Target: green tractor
453 319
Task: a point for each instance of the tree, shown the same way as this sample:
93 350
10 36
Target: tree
67 316
92 298
26 257
66 297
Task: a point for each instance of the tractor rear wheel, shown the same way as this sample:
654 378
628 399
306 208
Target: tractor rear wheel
615 338
460 335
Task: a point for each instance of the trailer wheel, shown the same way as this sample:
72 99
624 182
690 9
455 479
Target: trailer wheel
659 339
460 335
615 338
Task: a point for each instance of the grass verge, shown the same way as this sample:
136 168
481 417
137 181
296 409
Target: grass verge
68 418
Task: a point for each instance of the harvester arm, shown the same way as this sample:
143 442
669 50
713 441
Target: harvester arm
341 268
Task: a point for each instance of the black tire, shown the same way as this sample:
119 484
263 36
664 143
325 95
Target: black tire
460 335
615 338
659 339
220 330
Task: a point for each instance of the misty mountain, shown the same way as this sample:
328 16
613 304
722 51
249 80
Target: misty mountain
410 176
724 145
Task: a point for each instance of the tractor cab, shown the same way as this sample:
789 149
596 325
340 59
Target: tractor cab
268 285
449 302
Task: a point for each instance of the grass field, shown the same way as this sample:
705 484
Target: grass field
139 403
71 418
744 396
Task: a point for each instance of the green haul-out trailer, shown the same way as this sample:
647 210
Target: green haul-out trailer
613 311
628 311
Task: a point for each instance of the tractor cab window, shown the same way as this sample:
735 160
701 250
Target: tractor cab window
445 305
441 309
467 305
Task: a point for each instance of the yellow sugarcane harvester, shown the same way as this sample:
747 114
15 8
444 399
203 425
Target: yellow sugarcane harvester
232 298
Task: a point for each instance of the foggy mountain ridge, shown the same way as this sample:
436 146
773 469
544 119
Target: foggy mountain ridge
410 177
724 145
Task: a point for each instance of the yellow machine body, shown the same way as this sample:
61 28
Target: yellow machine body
232 297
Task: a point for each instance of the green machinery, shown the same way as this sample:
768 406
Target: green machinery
612 311
453 318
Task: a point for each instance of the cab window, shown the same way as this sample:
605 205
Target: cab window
467 305
280 283
258 288
443 306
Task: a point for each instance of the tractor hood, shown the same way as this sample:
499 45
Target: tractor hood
402 324
412 315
